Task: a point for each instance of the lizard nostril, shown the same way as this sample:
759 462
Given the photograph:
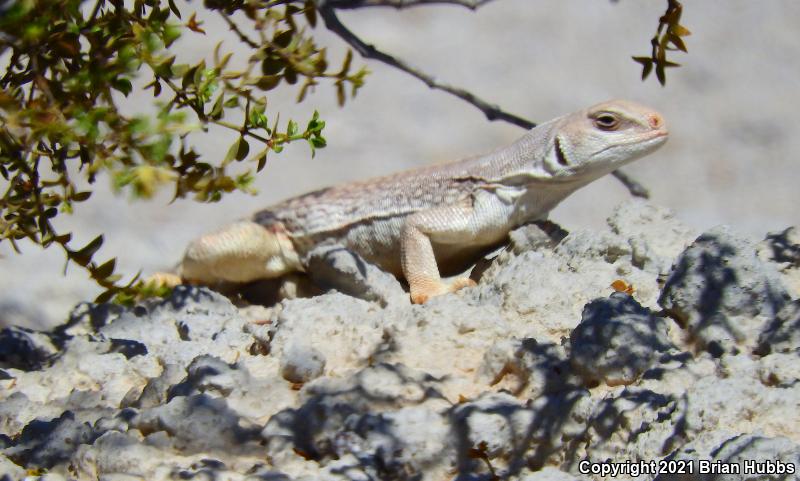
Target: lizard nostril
655 121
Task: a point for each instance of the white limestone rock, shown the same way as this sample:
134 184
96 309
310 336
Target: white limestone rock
617 340
723 293
506 379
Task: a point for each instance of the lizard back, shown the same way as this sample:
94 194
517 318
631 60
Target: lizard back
335 208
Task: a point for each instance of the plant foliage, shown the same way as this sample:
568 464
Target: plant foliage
667 38
68 64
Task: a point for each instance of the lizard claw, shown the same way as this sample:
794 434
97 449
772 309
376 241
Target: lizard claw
420 294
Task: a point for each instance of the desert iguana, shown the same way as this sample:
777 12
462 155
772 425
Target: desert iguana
417 222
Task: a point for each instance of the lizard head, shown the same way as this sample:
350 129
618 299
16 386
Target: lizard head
593 142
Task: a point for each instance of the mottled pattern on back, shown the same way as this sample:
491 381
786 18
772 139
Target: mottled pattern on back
334 208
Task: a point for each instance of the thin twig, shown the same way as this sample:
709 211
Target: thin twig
492 112
235 28
187 101
398 4
634 187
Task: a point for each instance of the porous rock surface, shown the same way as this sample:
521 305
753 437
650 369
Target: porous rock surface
541 372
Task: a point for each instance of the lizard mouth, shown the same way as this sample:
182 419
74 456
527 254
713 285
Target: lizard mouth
657 137
561 157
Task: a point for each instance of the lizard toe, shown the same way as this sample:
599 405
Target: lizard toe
422 294
461 283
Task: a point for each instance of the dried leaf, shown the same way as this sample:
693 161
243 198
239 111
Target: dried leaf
680 30
676 40
340 95
194 25
81 196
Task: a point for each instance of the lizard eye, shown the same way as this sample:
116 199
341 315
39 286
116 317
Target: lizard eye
606 121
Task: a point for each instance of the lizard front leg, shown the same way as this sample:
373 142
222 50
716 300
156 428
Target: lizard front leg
449 223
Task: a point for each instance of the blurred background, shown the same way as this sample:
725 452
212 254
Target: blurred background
732 109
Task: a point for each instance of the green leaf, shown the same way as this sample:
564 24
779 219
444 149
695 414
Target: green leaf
257 118
174 8
171 33
318 142
304 90
64 238
310 12
244 182
200 72
272 65
164 69
268 82
106 296
282 39
104 270
290 75
189 76
315 125
348 59
244 149
83 256
291 129
238 150
647 65
217 110
660 75
122 84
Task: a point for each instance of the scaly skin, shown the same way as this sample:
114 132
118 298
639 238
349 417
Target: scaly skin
417 222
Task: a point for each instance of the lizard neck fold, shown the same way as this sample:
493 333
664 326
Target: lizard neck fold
521 162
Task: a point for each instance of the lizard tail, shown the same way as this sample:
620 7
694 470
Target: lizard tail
241 252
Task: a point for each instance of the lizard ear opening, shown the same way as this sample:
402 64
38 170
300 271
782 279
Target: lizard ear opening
558 149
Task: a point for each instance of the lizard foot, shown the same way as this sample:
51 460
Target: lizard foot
421 292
